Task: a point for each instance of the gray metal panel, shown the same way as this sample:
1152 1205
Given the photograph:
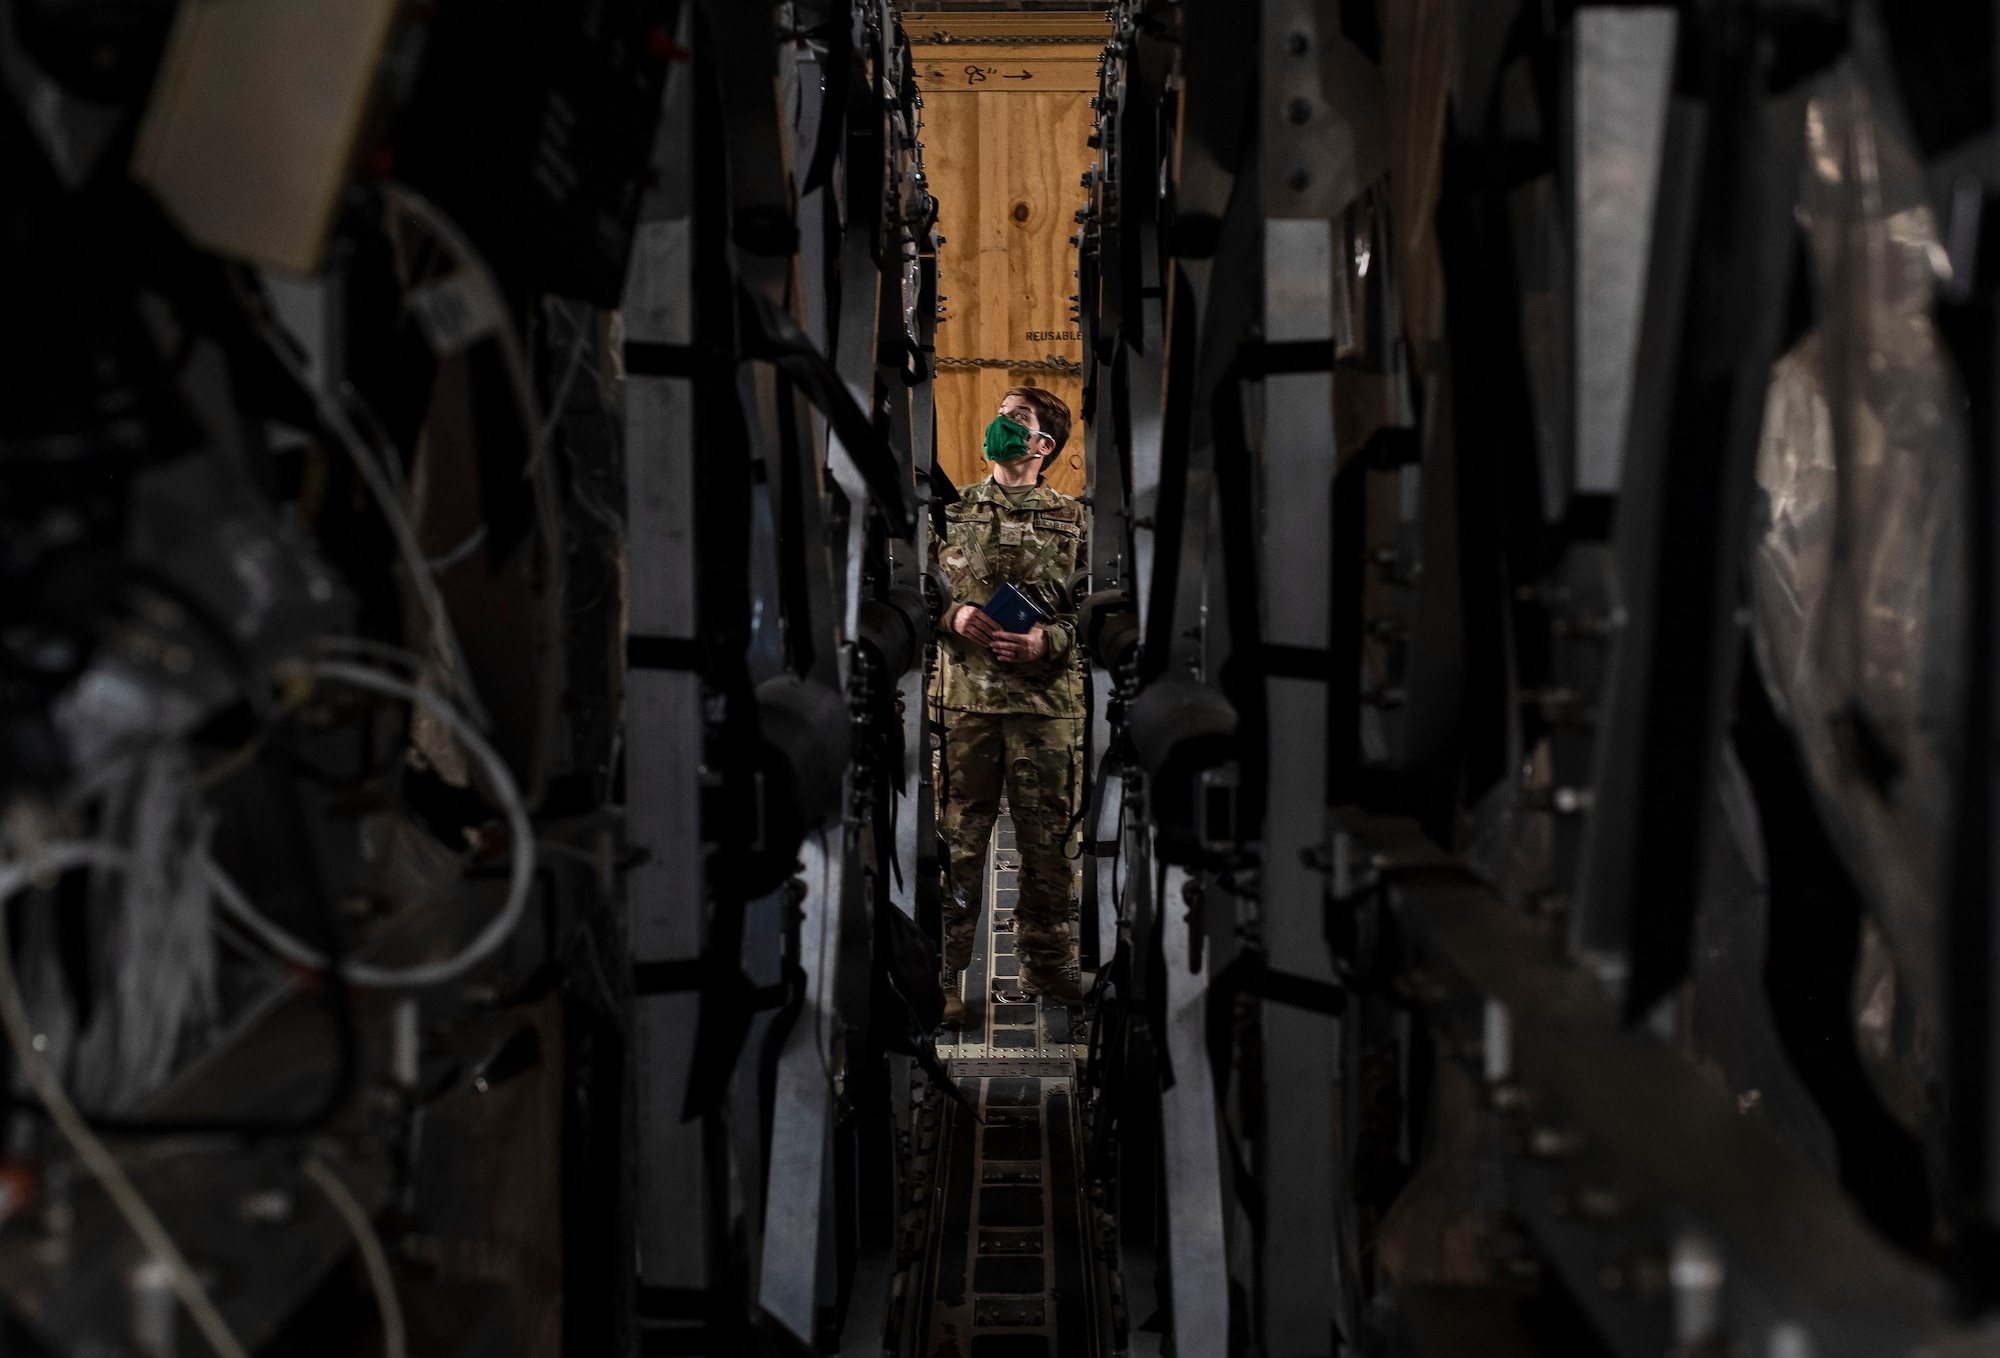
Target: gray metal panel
663 730
1293 917
1624 69
659 547
797 1276
1302 1280
1298 436
663 734
663 752
1146 377
764 961
923 432
657 307
915 807
840 464
1301 1284
1322 112
916 786
1108 832
1193 1163
1106 499
1096 911
663 723
795 1217
672 1246
1598 925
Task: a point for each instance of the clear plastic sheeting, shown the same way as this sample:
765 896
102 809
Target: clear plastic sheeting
1857 579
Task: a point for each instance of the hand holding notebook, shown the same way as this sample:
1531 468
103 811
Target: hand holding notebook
1013 610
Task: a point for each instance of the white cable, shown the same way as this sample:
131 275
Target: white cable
535 472
467 545
103 1166
416 565
371 649
499 780
465 255
395 1343
389 500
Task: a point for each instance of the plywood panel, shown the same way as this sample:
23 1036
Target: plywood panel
994 67
936 28
1006 160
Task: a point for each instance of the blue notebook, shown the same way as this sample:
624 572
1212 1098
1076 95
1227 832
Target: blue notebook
1013 610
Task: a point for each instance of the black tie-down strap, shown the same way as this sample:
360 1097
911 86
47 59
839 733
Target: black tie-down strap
943 493
771 334
1250 973
905 1004
838 32
729 1000
906 1001
694 973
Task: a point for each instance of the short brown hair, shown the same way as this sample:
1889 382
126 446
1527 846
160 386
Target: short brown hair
1050 412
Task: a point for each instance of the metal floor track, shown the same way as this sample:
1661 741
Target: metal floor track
1007 1263
999 1020
1010 1272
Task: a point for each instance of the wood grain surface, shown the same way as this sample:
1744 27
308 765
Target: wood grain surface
927 27
1006 160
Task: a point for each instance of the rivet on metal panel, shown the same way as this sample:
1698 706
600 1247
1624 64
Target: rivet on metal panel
1497 1042
1550 1143
1788 1339
1696 1273
1599 1203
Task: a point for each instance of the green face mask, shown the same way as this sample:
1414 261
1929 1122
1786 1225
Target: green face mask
1005 440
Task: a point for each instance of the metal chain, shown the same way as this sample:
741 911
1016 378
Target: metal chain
1050 364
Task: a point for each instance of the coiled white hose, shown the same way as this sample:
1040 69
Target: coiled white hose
497 779
103 1166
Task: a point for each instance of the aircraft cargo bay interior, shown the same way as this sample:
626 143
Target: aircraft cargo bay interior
999 679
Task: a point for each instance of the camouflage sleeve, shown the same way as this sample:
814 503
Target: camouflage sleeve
1062 628
1062 636
954 557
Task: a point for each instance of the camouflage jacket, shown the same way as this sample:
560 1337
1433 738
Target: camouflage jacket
1037 547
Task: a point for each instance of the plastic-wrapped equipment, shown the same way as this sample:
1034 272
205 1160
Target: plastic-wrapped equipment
1858 601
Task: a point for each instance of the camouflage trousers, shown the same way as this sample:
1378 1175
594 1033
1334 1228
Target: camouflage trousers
1033 759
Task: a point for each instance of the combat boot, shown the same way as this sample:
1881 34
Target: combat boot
1061 986
953 983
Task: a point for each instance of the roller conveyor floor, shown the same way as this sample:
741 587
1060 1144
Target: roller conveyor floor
1008 1263
999 1019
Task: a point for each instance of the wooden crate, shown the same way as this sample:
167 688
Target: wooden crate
1006 121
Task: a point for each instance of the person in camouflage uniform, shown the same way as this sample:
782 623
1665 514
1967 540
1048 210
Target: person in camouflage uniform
1012 703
